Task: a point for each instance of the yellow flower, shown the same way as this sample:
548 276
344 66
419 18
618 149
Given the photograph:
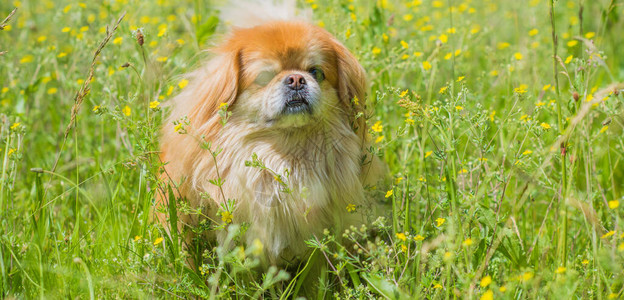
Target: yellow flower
545 126
604 128
443 38
503 289
608 234
158 241
485 281
379 139
494 73
183 83
418 54
162 59
65 29
26 59
458 108
533 32
585 261
389 193
492 114
527 152
568 59
126 110
117 40
488 295
404 44
572 43
52 91
526 276
15 125
518 56
376 50
428 153
403 93
521 89
177 127
409 121
401 236
226 217
377 127
503 45
612 296
546 87
137 238
590 35
467 243
42 38
154 104
426 65
460 78
419 238
443 89
351 207
61 55
440 221
621 247
437 285
613 204
560 270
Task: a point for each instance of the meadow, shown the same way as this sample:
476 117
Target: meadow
501 123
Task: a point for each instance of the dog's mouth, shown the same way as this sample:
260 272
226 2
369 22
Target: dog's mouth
297 103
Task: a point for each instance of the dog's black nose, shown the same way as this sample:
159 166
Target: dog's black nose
295 81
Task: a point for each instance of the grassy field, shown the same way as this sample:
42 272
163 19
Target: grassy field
507 163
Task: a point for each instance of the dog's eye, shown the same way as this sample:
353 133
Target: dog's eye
317 73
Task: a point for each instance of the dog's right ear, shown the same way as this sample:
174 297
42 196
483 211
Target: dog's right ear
213 85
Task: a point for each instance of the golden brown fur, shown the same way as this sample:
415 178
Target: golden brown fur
321 155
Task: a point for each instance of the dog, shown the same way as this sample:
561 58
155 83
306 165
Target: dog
275 121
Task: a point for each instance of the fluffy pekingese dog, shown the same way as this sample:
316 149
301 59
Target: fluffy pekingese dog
281 107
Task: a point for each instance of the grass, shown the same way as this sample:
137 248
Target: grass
506 160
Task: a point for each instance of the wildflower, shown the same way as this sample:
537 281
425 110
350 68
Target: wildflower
52 91
418 54
488 295
65 29
137 238
404 44
518 56
126 110
409 121
448 55
608 234
590 35
460 78
467 242
162 59
440 221
572 43
401 236
398 180
521 89
403 93
403 248
503 45
621 247
560 270
426 65
475 29
389 193
376 51
485 281
545 125
379 139
533 32
61 55
443 89
96 108
183 83
568 59
437 285
459 108
613 204
526 276
494 73
585 261
15 125
154 104
546 87
428 153
226 217
377 127
527 152
158 241
177 127
42 38
257 247
351 207
26 59
419 238
443 38
539 104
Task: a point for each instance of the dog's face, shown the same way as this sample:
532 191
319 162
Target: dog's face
284 75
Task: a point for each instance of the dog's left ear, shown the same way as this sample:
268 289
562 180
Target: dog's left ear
352 88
